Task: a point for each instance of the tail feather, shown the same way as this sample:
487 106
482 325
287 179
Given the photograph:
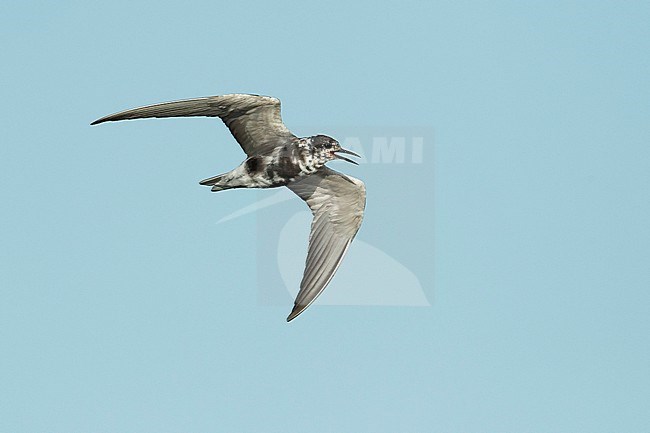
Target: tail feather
216 183
211 180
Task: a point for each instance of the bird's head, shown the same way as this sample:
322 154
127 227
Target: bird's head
326 148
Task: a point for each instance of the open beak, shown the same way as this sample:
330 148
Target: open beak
349 152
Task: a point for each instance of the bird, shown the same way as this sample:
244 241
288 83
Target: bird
277 158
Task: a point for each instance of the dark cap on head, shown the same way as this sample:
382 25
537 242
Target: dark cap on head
323 140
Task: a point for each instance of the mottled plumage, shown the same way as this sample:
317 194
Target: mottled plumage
276 158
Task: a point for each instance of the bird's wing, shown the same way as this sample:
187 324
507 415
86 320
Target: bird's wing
253 120
337 202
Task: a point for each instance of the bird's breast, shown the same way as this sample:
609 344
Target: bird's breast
291 163
282 166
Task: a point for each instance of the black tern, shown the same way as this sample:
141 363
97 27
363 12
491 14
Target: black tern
275 158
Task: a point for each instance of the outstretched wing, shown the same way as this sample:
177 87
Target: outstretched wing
337 202
255 121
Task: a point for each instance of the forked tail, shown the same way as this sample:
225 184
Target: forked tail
216 183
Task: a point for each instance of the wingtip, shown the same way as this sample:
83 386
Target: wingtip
297 309
96 122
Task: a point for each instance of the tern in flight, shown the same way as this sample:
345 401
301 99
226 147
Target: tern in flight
277 158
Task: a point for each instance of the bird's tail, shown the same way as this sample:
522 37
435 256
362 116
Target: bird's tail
215 183
211 180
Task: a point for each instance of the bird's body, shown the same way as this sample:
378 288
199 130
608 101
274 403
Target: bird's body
297 158
277 158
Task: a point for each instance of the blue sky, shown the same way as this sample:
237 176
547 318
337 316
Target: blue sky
125 307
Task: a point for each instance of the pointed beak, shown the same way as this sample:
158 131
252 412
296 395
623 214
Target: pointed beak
349 152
